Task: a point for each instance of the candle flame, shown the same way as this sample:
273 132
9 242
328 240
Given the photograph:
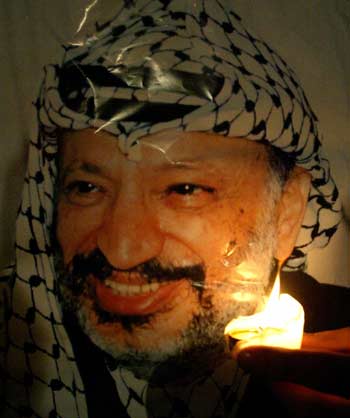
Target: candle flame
280 324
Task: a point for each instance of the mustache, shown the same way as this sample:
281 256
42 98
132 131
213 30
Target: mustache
96 264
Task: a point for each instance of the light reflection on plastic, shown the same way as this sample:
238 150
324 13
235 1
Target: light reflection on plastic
243 296
280 324
86 13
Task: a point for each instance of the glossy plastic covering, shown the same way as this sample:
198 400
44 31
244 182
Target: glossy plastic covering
180 84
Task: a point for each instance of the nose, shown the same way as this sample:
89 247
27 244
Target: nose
130 233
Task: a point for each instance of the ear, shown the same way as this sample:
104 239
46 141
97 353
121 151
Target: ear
290 211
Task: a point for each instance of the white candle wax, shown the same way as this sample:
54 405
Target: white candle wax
280 324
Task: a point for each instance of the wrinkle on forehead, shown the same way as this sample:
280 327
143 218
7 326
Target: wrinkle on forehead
188 149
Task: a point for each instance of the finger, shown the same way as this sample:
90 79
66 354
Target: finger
302 402
322 371
335 340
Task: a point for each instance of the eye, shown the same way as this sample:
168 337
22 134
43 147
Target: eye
83 193
81 187
188 189
189 195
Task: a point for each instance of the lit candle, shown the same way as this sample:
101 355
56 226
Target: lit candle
280 324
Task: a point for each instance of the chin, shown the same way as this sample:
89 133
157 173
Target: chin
160 358
129 337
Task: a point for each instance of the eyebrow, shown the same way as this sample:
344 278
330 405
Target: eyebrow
83 166
90 168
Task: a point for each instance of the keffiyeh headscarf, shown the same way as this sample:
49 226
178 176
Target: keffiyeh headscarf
159 64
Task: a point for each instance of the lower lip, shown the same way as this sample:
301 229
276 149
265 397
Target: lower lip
143 304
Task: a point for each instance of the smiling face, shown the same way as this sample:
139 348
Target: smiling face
159 254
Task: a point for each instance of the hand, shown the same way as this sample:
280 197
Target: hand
311 382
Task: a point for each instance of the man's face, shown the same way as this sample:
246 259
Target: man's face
159 254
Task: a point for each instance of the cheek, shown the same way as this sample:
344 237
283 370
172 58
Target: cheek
77 229
206 232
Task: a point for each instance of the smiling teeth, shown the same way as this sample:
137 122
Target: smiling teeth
131 290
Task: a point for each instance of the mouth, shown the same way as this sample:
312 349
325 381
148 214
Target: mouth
136 297
122 295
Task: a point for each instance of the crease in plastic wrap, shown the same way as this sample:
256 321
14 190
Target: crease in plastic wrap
155 74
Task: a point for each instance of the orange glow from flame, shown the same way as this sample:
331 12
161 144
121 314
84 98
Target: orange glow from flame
280 324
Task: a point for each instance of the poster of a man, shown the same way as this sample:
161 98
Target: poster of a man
176 170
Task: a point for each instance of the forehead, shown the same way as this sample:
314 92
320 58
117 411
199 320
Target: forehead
171 147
